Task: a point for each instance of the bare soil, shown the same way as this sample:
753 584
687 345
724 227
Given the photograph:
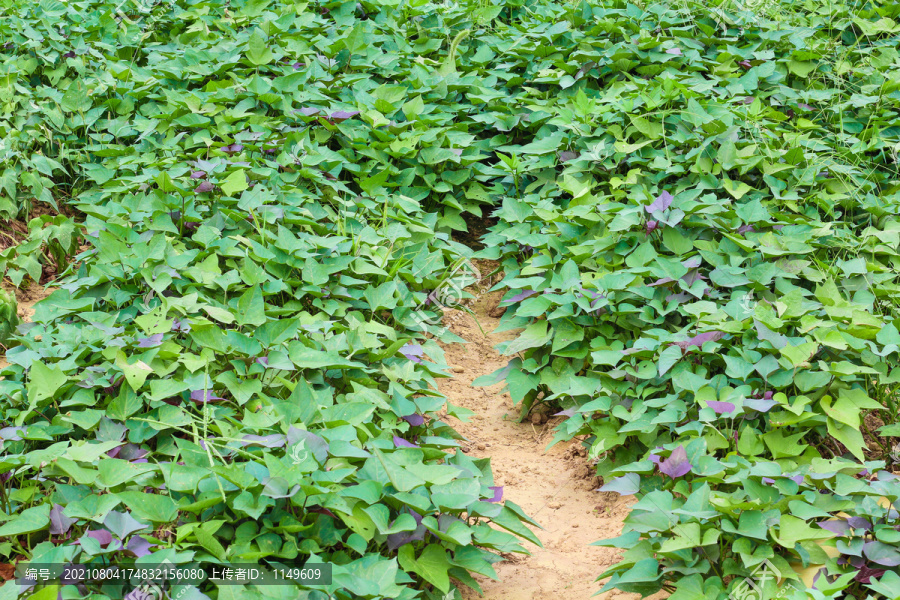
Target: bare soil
557 487
25 299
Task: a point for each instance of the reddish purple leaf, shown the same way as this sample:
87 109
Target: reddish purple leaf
204 396
399 442
415 420
720 407
662 202
674 51
498 493
150 342
840 527
198 174
677 464
699 339
519 297
651 226
412 352
59 523
204 187
139 545
343 115
101 535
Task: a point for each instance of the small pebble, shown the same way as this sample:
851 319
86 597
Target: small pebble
481 446
458 370
554 505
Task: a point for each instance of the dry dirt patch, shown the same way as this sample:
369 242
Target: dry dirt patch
556 488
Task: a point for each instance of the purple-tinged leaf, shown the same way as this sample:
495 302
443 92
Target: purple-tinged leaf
456 151
232 149
298 65
882 554
662 202
759 405
139 545
692 263
700 339
569 412
308 111
746 100
498 493
746 64
627 485
720 408
178 325
567 155
263 360
840 526
415 420
412 352
343 115
132 452
198 174
768 480
805 106
519 297
101 535
866 573
204 187
321 510
651 226
204 396
396 540
151 342
399 442
275 440
859 523
12 434
677 464
662 281
59 523
679 297
674 51
745 228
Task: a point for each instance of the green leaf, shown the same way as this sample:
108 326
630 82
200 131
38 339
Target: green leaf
258 53
29 520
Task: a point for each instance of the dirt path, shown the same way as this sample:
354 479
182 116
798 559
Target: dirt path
556 488
25 301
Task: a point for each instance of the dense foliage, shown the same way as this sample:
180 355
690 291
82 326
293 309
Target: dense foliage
694 205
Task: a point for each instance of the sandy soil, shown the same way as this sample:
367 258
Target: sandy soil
556 488
25 299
